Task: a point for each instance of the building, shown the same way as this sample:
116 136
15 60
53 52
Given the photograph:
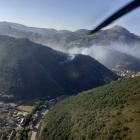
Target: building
52 101
21 114
35 116
138 74
22 122
44 106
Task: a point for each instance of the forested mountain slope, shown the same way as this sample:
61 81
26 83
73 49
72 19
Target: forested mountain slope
110 112
32 70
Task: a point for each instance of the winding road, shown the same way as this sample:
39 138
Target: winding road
39 120
35 132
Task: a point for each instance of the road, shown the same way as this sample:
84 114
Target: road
35 132
36 126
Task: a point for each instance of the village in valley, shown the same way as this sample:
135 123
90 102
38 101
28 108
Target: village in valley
14 120
20 118
23 117
126 73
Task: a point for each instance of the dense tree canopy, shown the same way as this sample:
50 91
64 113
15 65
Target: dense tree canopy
109 112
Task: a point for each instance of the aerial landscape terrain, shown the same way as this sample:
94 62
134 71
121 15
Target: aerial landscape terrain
69 70
33 70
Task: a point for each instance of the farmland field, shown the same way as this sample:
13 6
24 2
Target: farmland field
25 108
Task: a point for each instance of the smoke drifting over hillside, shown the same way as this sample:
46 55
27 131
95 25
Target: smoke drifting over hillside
112 57
97 52
70 57
131 50
116 55
100 52
93 51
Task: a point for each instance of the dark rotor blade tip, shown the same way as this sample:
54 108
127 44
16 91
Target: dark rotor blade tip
131 6
91 33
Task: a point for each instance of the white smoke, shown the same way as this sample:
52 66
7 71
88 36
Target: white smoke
94 51
108 56
131 50
70 58
101 52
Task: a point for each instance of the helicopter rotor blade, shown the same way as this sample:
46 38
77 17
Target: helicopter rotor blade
131 6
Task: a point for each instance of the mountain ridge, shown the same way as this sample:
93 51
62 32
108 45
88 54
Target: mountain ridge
33 70
117 38
81 33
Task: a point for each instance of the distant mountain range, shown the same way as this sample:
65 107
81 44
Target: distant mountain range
116 34
79 37
120 46
28 69
33 36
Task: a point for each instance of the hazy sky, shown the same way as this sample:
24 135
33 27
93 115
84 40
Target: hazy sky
67 14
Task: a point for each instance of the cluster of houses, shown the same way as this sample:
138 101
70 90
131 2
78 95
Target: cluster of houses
126 73
10 137
5 106
19 116
137 74
10 119
8 125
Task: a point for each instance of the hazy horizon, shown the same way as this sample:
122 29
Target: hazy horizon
67 15
111 26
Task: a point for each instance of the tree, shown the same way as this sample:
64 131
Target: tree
11 97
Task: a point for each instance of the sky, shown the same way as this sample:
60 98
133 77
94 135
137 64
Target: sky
67 14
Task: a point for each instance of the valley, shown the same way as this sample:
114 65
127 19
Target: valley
103 77
69 70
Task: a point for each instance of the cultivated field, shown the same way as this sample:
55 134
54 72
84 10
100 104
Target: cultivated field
25 108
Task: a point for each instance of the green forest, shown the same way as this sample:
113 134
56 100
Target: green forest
30 70
109 112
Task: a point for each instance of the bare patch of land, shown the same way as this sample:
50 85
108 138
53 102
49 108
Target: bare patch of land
25 108
28 104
